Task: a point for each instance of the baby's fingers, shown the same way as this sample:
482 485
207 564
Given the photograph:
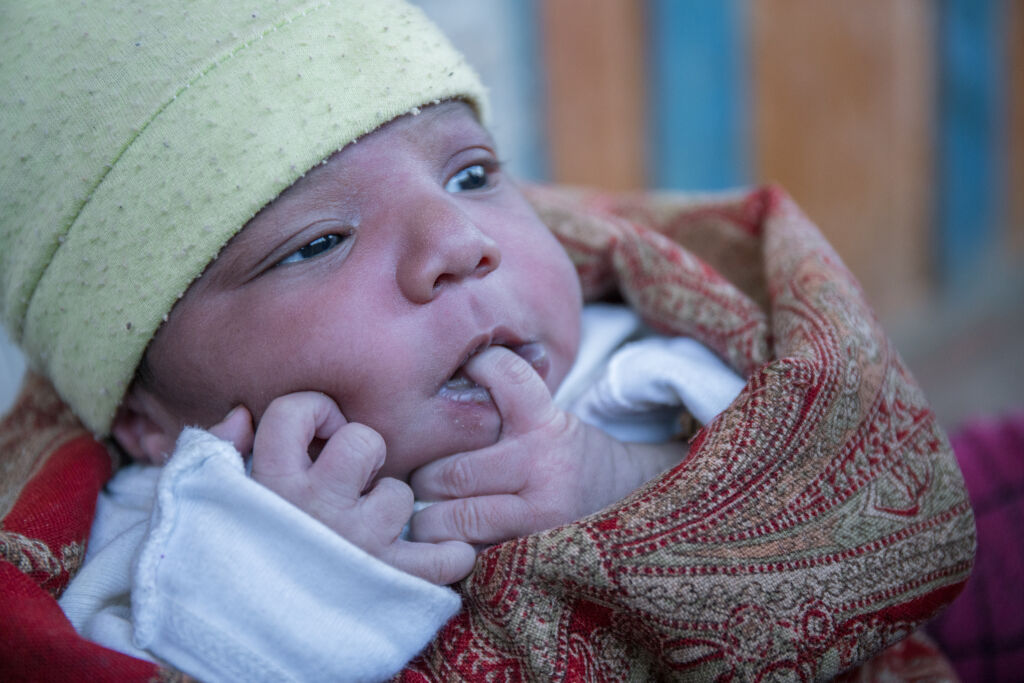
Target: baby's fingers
488 471
440 563
236 427
387 508
385 511
522 398
484 519
347 464
288 426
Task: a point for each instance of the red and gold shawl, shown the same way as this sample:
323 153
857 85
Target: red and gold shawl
815 524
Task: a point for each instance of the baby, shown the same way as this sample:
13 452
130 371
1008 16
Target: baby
413 318
284 231
408 318
291 229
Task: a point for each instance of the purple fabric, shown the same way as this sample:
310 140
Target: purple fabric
982 632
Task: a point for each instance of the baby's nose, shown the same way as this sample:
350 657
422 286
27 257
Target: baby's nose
442 246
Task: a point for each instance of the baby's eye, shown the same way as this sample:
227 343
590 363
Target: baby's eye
470 178
314 248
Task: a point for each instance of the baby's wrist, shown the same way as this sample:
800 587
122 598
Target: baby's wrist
649 460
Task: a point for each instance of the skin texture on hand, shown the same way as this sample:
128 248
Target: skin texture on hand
338 488
547 467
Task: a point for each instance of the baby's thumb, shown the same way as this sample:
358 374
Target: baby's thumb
236 427
519 393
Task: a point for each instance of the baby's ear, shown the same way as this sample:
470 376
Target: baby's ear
142 430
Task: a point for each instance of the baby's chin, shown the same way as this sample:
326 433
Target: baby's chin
471 427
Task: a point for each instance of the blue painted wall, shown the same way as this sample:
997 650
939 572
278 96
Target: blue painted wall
970 179
698 90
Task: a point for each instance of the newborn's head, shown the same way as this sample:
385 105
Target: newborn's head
372 279
140 144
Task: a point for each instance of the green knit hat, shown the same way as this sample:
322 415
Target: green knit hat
139 137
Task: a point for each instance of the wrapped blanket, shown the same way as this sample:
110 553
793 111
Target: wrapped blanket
815 524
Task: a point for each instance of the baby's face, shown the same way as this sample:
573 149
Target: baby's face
373 279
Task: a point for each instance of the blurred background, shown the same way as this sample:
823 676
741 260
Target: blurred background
898 125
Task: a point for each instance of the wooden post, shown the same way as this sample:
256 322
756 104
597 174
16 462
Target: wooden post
595 59
843 97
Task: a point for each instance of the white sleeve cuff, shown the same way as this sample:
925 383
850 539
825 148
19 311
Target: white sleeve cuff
235 583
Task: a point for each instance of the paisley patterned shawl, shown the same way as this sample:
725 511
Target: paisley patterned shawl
815 524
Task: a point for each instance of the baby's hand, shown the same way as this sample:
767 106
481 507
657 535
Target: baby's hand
333 487
546 469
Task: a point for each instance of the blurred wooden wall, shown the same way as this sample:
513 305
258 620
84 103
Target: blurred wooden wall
843 101
860 109
596 91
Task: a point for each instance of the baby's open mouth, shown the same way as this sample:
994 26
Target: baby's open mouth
461 387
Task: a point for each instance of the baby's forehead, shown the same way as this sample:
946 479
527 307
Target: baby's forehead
429 128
